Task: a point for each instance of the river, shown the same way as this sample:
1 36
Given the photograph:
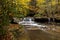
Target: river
41 35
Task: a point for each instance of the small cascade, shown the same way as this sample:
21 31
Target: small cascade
48 20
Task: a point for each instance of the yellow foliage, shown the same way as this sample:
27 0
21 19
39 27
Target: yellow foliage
23 2
40 1
54 2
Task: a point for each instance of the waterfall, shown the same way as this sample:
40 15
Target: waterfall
48 20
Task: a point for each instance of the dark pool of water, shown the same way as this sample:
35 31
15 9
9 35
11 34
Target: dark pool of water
41 35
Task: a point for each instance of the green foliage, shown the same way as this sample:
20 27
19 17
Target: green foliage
2 31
